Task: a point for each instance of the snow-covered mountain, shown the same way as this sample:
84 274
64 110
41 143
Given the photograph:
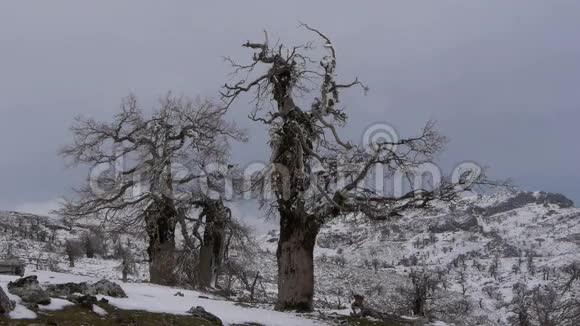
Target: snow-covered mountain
478 252
530 236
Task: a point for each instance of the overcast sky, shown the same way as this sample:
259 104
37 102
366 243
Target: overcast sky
502 78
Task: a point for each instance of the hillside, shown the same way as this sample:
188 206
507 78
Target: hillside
538 233
528 237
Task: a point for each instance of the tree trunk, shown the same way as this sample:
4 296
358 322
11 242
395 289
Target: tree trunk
295 262
298 230
211 251
124 275
253 288
161 222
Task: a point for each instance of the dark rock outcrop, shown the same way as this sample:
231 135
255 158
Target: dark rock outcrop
28 289
102 287
200 312
67 289
108 288
500 248
6 305
336 240
451 224
86 301
524 198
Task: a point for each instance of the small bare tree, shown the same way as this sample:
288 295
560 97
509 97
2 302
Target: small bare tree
572 276
424 283
462 279
128 265
520 305
375 262
239 253
494 267
73 250
530 263
93 243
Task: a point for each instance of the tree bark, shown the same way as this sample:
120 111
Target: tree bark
295 262
211 251
298 229
161 222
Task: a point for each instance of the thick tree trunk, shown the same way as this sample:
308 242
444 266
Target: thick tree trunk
295 263
211 252
298 230
161 221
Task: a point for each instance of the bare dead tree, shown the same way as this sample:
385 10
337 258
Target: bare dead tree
93 243
572 275
424 284
494 267
217 215
239 253
73 250
545 306
210 234
253 287
462 280
150 167
375 262
309 158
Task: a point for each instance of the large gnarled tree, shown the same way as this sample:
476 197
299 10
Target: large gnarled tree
146 168
310 164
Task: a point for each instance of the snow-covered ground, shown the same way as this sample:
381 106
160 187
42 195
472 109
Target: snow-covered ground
353 255
162 299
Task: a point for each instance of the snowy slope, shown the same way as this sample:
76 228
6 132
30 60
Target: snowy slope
355 255
156 298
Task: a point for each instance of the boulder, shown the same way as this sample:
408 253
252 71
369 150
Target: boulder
199 312
108 288
12 266
6 305
360 310
28 289
67 289
469 224
102 287
86 301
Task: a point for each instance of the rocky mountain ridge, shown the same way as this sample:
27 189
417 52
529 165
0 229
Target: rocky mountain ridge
528 235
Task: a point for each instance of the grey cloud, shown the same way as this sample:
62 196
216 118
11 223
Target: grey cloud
501 78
